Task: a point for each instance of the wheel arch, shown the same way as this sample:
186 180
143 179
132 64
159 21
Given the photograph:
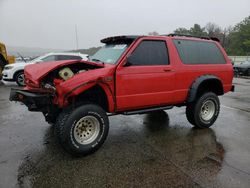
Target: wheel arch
97 94
203 84
17 72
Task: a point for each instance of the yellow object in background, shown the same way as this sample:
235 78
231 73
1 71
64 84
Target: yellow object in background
4 58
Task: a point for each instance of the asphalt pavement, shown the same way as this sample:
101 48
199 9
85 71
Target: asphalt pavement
154 150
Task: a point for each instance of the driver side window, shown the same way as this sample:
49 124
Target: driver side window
150 52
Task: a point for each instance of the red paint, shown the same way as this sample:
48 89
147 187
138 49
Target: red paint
135 87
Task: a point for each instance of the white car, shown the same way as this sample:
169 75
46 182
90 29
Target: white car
15 72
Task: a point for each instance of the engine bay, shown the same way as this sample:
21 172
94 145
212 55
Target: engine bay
64 73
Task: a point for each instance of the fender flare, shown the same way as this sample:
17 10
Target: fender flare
88 85
195 86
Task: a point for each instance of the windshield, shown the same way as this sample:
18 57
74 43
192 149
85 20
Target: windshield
35 59
109 53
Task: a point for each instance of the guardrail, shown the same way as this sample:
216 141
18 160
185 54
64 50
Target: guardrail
239 59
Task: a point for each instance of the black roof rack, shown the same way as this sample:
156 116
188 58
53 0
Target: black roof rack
118 39
201 37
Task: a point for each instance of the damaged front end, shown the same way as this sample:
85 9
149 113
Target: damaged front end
47 84
35 101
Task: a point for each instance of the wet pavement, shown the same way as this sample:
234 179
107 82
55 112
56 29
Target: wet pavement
154 150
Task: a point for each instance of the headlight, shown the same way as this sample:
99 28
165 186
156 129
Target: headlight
8 67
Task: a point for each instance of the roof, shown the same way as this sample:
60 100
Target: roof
131 38
193 36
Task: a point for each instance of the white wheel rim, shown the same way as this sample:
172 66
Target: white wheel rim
20 79
207 110
86 130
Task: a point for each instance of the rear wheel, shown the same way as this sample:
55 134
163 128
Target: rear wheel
19 78
204 111
83 130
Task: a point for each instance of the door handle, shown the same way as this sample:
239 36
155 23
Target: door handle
167 70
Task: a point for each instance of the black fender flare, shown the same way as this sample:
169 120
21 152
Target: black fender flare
195 86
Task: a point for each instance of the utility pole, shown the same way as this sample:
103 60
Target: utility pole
76 37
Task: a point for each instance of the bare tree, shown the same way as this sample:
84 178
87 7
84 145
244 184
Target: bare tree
213 29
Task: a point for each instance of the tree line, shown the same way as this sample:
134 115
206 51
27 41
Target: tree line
235 40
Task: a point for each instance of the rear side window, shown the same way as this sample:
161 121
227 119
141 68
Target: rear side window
68 57
199 52
150 53
49 58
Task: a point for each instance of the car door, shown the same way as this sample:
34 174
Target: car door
145 77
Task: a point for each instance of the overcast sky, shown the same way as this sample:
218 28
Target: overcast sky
51 23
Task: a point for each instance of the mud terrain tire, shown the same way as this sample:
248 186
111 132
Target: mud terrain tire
83 130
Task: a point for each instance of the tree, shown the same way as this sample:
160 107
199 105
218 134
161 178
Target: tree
182 31
239 38
213 30
198 31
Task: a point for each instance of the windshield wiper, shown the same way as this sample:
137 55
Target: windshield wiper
22 57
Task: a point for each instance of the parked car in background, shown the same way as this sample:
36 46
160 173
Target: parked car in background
21 59
242 69
15 72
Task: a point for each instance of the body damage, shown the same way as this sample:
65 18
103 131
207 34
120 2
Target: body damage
129 75
126 87
63 91
79 83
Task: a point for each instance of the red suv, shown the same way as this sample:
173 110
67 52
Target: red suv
128 75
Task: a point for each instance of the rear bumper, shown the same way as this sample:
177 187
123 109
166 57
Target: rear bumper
34 101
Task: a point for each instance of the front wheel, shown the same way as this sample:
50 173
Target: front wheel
204 111
19 78
83 130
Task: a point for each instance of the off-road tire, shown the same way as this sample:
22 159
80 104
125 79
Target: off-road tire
70 122
203 112
19 74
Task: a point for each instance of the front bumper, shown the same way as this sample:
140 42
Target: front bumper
34 101
7 75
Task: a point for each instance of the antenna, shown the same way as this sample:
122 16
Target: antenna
76 37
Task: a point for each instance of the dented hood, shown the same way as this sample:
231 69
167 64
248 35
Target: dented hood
36 72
